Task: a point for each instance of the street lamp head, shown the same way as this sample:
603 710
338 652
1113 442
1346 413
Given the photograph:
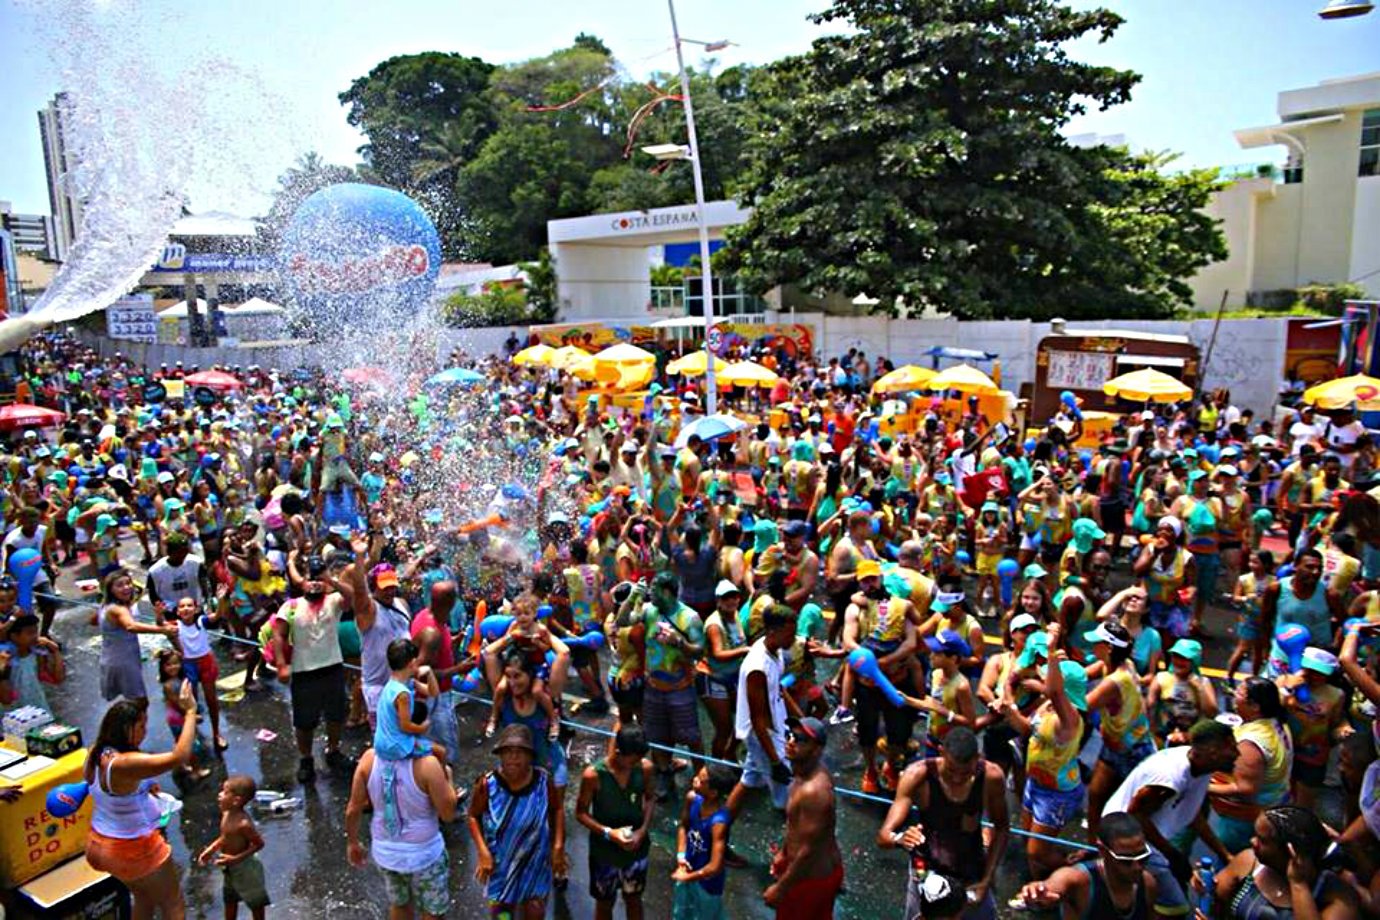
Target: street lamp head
1345 9
667 151
718 45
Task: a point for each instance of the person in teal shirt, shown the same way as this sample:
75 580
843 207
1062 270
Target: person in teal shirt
374 481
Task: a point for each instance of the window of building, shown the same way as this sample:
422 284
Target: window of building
1370 143
1293 169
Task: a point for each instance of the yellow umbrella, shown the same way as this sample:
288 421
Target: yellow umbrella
565 356
904 378
693 365
1148 385
746 374
537 354
966 379
623 353
1341 393
588 369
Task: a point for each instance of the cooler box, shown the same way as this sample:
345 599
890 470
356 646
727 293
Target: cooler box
73 891
31 840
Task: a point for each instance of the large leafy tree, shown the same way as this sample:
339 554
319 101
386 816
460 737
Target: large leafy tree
411 101
918 159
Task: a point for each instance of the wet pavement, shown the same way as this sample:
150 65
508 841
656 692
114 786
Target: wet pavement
308 875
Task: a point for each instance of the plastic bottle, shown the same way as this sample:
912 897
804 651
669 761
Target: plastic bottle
1207 877
283 806
266 797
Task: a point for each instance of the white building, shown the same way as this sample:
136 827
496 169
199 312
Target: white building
1321 223
53 129
604 261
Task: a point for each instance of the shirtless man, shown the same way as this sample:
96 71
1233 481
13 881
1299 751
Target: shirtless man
808 869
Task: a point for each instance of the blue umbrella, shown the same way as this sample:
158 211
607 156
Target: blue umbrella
462 376
710 427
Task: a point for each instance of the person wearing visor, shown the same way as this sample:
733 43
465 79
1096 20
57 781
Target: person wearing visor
1125 727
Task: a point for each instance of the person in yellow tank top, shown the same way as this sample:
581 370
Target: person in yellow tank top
1126 736
950 701
1234 526
1054 788
1317 718
1265 761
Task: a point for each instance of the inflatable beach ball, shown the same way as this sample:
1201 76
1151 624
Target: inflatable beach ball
361 256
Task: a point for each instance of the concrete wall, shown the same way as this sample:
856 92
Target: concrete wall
1277 238
1329 200
602 282
1235 207
1365 235
475 342
1248 357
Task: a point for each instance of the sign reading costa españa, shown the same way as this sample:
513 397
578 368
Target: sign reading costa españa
360 255
626 223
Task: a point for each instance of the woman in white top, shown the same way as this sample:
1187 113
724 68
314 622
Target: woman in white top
126 837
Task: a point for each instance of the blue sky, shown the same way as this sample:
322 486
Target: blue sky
271 70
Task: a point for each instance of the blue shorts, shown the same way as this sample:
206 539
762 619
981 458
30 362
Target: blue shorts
1052 807
757 770
1123 762
1170 900
1248 625
1209 566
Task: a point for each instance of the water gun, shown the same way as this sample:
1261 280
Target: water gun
591 640
1292 639
64 801
1007 570
491 520
470 682
864 664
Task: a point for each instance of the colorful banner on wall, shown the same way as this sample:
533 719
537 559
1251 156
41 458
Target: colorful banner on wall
1310 355
591 336
797 338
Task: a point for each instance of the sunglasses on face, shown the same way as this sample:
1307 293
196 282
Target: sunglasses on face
1127 858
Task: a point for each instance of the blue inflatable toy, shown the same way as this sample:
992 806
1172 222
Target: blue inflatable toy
65 800
1007 570
1292 639
26 565
864 664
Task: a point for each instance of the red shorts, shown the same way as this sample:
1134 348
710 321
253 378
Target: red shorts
203 670
811 899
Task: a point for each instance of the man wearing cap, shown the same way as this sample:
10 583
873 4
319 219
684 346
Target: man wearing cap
808 868
1292 482
762 710
882 624
616 806
384 619
953 793
797 559
1317 720
1167 794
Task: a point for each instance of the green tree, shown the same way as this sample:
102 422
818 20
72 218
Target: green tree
918 159
416 99
541 288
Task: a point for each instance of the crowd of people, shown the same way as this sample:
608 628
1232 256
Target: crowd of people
1012 626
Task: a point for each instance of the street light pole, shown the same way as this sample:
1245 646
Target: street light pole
712 396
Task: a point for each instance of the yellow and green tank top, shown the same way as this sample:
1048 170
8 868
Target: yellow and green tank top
1129 725
1051 764
1200 526
1277 746
882 625
946 691
1163 582
1234 525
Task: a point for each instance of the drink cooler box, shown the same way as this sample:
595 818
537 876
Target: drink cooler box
72 891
